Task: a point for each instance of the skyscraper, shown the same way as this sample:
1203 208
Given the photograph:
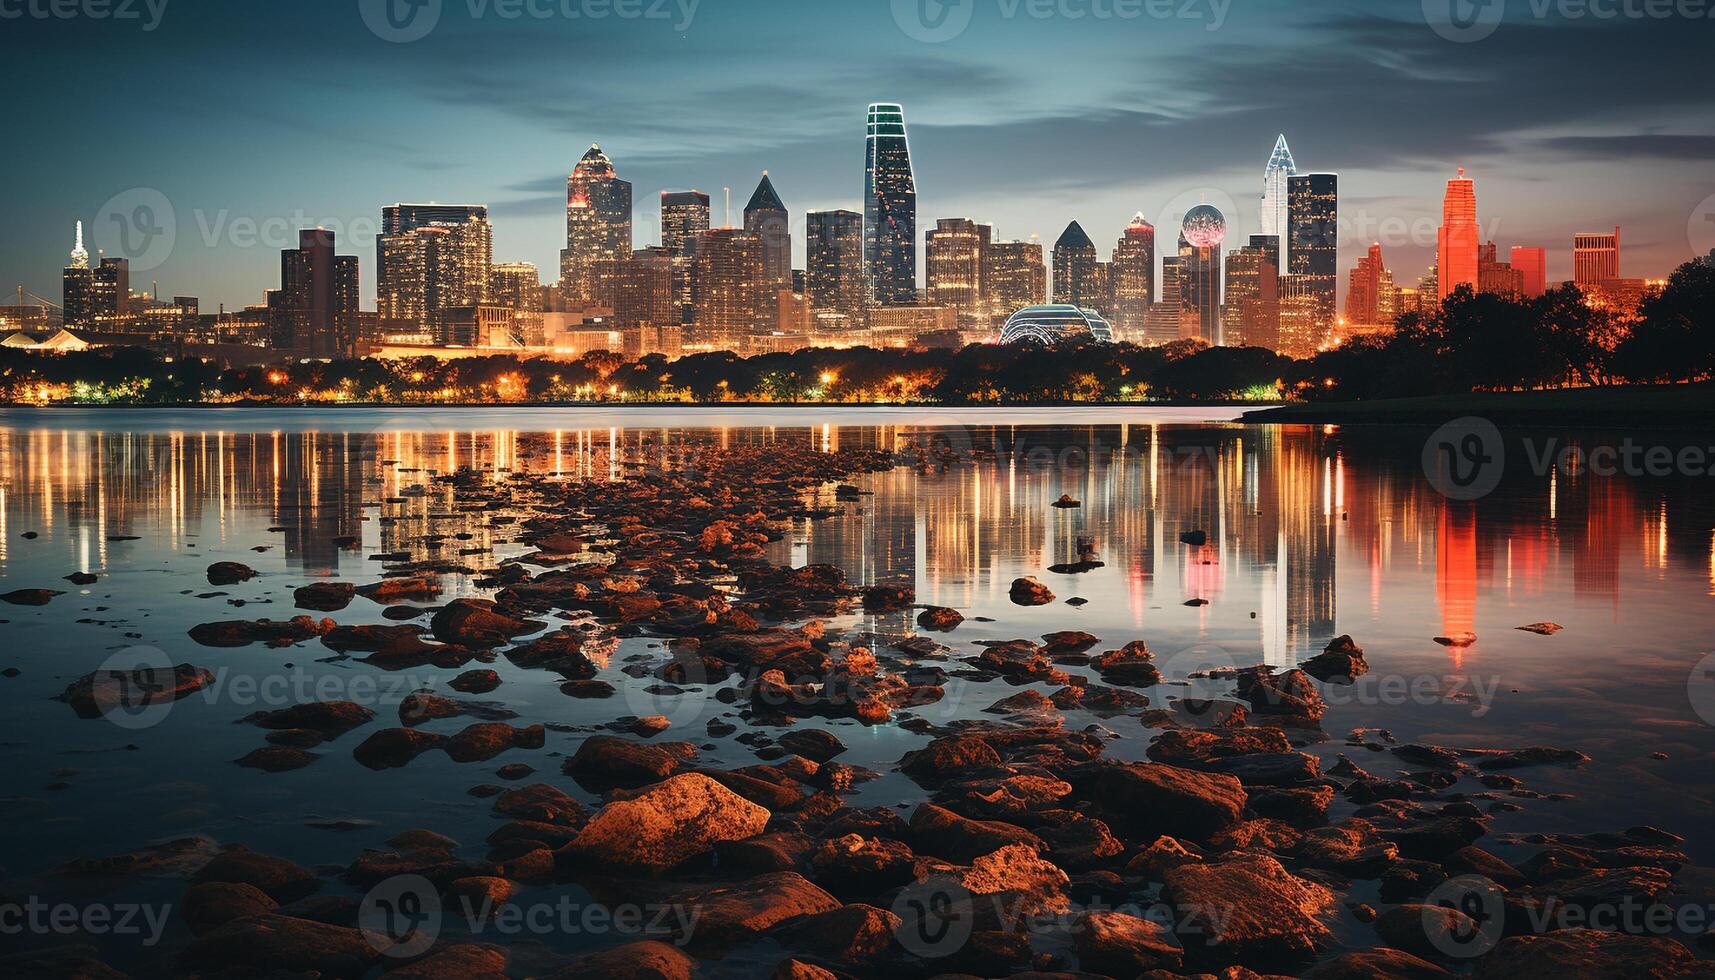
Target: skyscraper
432 256
953 260
1457 242
1274 215
1363 293
314 312
766 218
1531 263
889 209
732 301
110 287
1013 277
643 294
834 268
1250 308
598 224
1199 270
1132 278
516 285
684 218
77 286
1313 249
1595 257
1075 268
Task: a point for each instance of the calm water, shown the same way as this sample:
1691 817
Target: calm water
1311 533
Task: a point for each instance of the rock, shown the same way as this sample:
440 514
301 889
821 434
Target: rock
99 692
668 824
329 718
559 543
1428 931
1289 697
466 961
1377 964
1014 881
606 762
229 573
212 904
815 744
485 740
1067 642
1130 666
324 596
939 618
403 589
82 578
647 960
1536 755
562 651
797 969
743 911
942 833
278 878
1195 539
476 623
1029 592
1247 909
391 748
1463 638
1541 629
475 682
277 758
856 934
1340 662
1066 500
29 597
888 596
1122 945
263 944
949 757
855 866
239 633
1590 955
1154 861
1152 798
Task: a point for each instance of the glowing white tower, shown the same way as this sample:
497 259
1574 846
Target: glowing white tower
79 254
1274 196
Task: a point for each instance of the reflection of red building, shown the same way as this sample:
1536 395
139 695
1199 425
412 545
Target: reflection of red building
1456 568
1596 555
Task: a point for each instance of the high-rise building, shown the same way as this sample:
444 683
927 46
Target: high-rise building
1199 276
1456 244
643 291
1531 263
110 288
432 256
953 260
834 267
1075 268
1495 276
77 287
1013 277
314 312
1595 257
598 225
732 300
1303 329
1250 311
1275 216
684 218
889 209
1363 292
766 218
1131 277
517 285
1313 249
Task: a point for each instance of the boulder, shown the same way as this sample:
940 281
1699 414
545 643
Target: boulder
1029 592
647 960
606 762
1153 798
667 824
274 943
229 573
1248 910
944 834
1122 945
477 623
1590 955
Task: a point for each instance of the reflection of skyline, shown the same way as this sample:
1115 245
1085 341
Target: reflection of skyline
1286 510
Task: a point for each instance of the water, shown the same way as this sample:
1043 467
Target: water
1312 533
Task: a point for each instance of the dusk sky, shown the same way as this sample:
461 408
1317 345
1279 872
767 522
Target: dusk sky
251 118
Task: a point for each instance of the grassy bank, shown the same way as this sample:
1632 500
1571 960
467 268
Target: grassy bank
1651 406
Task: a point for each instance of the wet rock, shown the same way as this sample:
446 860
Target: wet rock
1019 661
277 758
475 682
229 573
1195 539
562 651
278 878
1152 798
1463 638
1541 629
1066 500
485 740
212 904
815 744
1122 945
743 911
259 945
1067 642
477 623
403 589
889 596
391 748
466 961
1257 756
1015 881
1289 697
1130 666
647 960
950 757
939 618
1340 662
1536 755
671 822
1427 931
1029 592
1586 953
82 578
99 692
1247 909
324 596
29 597
606 762
856 934
942 833
239 633
1376 964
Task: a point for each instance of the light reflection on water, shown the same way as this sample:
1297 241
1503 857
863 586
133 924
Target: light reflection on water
1311 533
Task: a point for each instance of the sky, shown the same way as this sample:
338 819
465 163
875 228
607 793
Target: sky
197 136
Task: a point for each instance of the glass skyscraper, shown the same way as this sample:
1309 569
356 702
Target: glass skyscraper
1274 192
889 210
1313 249
598 224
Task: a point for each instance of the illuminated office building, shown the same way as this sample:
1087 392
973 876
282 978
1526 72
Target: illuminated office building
953 260
598 225
766 218
1274 215
732 299
1531 262
517 285
834 269
1458 241
1313 249
430 257
1014 276
1075 276
1250 309
889 209
1131 278
1595 257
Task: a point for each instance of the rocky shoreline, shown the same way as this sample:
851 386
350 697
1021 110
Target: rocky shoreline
1228 851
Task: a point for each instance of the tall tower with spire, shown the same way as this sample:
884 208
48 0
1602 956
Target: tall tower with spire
1458 240
79 254
77 286
1275 220
766 218
889 209
598 225
1075 268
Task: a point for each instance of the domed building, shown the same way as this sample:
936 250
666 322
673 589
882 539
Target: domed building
1052 323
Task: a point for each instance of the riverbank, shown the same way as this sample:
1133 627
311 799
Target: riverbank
1643 406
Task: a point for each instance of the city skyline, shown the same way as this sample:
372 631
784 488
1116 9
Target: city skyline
1137 152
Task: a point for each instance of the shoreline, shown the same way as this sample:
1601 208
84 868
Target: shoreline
1641 406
